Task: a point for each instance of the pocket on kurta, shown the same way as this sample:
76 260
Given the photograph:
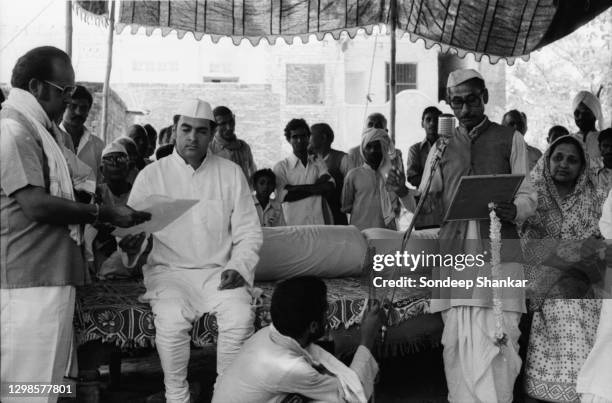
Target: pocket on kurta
215 216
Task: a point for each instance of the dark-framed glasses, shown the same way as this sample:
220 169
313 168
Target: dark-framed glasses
115 159
472 100
68 90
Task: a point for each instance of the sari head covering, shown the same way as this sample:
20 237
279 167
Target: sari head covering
559 226
386 164
591 102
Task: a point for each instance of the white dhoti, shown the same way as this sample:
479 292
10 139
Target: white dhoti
178 297
594 377
36 337
476 369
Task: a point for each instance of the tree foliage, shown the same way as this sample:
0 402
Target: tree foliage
544 86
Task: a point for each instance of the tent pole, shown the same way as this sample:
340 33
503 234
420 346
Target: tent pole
392 72
69 28
109 65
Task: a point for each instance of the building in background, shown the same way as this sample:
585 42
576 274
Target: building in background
266 85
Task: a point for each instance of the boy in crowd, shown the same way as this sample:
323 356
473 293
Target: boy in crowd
270 211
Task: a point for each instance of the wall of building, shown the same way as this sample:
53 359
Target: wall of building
118 117
256 107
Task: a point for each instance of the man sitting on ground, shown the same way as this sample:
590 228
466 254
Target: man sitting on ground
283 359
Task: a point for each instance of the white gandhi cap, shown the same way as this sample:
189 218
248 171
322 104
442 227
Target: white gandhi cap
197 109
460 76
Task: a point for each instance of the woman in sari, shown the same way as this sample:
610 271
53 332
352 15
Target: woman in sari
556 243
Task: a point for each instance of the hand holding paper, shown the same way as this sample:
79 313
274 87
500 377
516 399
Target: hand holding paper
123 216
164 210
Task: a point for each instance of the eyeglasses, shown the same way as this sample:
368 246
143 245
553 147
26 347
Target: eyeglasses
115 159
66 91
472 101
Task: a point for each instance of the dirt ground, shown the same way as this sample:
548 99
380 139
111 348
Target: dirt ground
417 378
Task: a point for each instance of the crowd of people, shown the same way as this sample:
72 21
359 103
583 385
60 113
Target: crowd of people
63 192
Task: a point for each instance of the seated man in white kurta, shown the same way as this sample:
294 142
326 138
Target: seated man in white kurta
204 261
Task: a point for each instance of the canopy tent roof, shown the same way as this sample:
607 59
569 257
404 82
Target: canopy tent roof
500 29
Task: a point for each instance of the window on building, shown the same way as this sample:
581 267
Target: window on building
305 84
405 77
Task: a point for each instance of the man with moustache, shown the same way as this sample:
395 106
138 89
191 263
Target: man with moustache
225 144
321 139
41 236
480 147
587 114
302 179
80 140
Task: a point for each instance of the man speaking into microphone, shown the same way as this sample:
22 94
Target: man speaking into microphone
479 147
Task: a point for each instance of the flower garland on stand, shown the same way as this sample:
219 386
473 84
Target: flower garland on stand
495 235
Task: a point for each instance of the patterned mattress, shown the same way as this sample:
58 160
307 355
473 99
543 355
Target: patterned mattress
110 311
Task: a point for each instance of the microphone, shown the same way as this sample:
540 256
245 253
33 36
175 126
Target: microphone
446 130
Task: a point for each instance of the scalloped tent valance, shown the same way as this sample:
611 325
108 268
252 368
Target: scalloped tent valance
500 29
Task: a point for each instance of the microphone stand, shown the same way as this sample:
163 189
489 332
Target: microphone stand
441 148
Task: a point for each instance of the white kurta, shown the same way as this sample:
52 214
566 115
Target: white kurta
291 171
184 267
271 366
594 377
221 231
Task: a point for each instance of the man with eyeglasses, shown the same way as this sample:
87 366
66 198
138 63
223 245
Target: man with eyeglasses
480 147
40 225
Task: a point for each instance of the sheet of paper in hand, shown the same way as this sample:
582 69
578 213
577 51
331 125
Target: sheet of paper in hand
164 210
474 193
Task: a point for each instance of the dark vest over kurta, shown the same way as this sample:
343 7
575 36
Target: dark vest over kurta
486 153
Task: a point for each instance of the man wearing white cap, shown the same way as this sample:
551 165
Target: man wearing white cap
480 147
204 261
587 111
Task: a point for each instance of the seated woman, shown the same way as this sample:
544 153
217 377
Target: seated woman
557 241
